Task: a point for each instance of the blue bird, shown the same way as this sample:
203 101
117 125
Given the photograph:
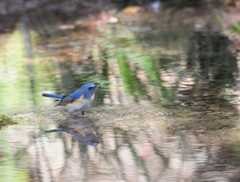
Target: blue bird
81 99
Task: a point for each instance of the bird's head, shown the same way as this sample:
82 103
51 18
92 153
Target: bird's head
89 86
89 89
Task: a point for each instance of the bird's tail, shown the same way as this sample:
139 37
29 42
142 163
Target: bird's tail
52 95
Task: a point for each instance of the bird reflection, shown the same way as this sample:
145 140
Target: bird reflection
87 138
81 130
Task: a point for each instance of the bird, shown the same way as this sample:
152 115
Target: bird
81 99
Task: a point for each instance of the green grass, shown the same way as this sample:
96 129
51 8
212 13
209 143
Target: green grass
6 120
235 27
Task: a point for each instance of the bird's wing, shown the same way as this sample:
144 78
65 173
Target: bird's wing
77 94
70 100
65 101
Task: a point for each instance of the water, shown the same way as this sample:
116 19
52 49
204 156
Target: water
167 107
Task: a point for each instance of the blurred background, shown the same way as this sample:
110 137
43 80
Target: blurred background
168 98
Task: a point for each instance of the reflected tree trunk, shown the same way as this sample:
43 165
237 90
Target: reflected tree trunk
27 41
26 36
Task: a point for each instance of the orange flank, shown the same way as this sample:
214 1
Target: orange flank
132 10
79 101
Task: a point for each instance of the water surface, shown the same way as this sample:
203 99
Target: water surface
167 105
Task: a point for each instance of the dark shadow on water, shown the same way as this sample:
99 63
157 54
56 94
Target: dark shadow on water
203 88
210 58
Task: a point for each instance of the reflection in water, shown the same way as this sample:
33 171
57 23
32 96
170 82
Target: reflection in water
132 137
130 80
27 41
126 151
102 78
209 52
78 130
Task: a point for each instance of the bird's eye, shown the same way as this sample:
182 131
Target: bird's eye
91 88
